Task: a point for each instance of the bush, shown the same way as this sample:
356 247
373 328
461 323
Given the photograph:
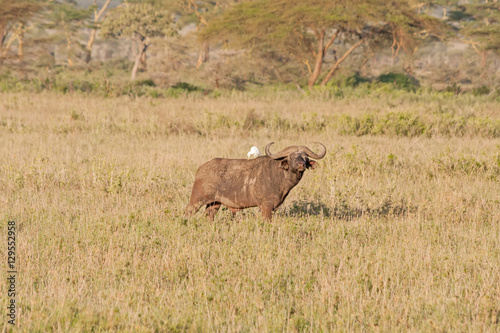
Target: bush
479 91
355 80
400 124
185 86
400 81
454 88
146 83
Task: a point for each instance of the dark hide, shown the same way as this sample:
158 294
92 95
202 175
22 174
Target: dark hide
238 184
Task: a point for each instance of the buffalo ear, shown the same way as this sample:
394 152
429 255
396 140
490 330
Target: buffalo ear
284 164
312 164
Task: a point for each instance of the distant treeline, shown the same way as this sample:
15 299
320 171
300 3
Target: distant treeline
234 43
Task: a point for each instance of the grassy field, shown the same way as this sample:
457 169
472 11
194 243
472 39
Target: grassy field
397 230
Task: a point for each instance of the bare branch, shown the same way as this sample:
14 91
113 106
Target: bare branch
197 13
306 62
330 42
337 64
315 31
103 9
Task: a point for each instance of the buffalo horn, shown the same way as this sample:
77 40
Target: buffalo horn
311 154
285 152
282 153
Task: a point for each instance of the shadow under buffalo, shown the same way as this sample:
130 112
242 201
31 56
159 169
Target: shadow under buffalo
343 211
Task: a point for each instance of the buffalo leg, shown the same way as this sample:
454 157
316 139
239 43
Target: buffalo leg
212 209
234 210
267 210
193 208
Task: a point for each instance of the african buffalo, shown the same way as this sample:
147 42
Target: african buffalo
263 182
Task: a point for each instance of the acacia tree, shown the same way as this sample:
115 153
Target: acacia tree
479 23
68 20
97 19
14 16
201 12
307 30
139 23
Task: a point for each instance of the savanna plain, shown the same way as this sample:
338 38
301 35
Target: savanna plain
398 229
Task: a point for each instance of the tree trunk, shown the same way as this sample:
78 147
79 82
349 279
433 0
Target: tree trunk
142 53
203 54
12 38
93 33
20 46
68 47
90 44
484 59
278 74
337 64
484 64
7 46
143 61
318 59
136 66
3 34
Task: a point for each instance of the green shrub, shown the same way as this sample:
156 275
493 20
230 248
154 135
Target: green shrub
482 90
253 121
355 80
454 88
400 81
467 165
399 124
185 86
146 83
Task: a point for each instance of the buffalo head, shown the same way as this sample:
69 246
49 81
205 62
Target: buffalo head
296 158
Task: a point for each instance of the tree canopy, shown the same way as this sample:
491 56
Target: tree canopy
480 24
68 19
305 31
290 41
13 18
139 22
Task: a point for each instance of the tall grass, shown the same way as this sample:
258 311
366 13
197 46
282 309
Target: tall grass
397 230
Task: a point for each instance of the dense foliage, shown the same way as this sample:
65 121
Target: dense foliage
234 44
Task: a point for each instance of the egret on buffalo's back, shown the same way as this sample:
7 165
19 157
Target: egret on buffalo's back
253 153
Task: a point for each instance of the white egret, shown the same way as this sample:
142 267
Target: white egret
253 153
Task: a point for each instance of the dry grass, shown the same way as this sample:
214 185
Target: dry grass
393 232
